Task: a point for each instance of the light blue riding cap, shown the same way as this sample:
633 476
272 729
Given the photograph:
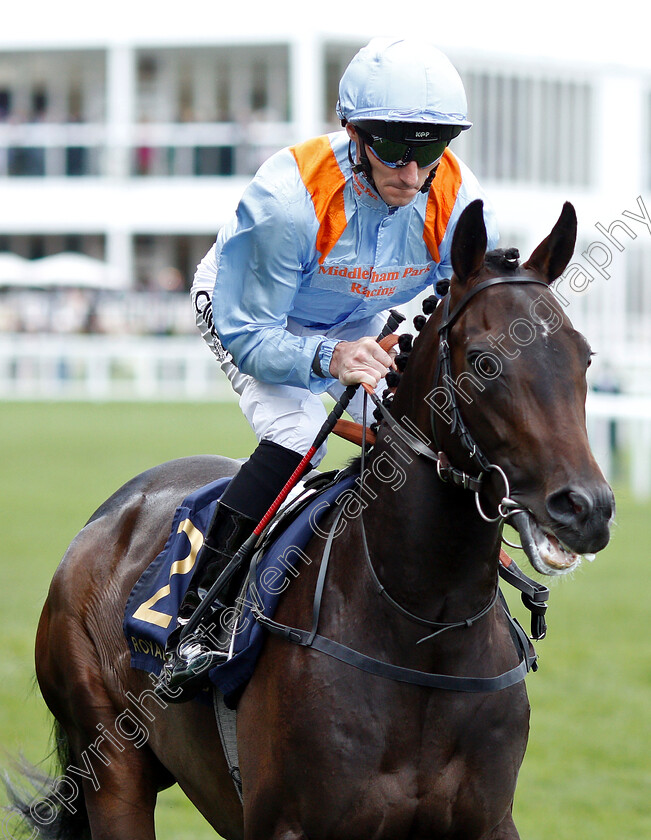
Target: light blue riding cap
402 81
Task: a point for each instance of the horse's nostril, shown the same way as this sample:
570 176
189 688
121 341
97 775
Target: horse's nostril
579 502
569 506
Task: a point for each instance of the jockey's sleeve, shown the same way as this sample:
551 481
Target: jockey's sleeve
259 271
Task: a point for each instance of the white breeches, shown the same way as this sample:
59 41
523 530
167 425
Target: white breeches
292 416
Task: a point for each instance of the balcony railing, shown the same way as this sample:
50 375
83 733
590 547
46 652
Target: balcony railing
158 149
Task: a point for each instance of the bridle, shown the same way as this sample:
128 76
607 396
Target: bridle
443 379
444 366
536 593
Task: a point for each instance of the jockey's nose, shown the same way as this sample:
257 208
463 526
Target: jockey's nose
410 174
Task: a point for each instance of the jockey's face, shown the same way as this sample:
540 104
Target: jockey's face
398 185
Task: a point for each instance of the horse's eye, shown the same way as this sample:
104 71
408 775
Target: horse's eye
487 365
590 355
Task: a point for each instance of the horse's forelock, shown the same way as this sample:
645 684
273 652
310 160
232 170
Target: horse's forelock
503 260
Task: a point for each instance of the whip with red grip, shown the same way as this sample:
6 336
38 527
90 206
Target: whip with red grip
244 552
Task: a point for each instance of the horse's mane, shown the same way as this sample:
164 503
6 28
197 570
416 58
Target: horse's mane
499 260
405 346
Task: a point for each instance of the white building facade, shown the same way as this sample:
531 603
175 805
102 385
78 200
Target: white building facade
135 150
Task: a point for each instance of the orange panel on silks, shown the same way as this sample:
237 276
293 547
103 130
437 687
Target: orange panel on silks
325 182
440 203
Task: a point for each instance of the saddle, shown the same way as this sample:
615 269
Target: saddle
152 606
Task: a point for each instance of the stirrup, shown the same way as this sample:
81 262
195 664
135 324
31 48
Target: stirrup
185 672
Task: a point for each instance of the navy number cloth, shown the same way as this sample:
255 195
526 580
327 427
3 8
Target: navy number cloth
151 609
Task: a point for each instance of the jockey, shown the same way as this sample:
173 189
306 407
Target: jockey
329 235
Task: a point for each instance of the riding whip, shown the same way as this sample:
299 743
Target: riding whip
244 553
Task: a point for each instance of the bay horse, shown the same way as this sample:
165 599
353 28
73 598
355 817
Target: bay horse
496 380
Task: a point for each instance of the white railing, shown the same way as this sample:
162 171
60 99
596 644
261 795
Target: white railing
132 368
102 368
252 142
619 426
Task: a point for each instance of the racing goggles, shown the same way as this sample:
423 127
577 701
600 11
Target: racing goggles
397 144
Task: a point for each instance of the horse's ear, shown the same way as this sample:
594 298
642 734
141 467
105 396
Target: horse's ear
469 242
551 257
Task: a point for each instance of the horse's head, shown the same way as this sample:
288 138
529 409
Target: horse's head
514 386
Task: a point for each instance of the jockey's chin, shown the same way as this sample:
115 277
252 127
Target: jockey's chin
399 185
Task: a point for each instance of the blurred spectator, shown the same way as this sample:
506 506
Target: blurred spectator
161 311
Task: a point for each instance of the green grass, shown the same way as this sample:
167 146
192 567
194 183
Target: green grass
59 463
587 770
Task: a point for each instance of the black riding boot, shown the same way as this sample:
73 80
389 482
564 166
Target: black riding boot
227 531
246 500
187 662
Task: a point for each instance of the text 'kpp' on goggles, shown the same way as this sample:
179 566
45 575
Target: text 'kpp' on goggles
395 154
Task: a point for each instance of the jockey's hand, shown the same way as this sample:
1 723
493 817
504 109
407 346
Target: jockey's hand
361 361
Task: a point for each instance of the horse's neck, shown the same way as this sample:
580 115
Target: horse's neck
426 541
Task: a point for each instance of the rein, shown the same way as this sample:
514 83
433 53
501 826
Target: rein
312 639
380 588
442 625
534 595
444 368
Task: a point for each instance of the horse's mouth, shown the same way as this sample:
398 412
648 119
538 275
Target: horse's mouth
546 553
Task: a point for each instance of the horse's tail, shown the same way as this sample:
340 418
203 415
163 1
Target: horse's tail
56 809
